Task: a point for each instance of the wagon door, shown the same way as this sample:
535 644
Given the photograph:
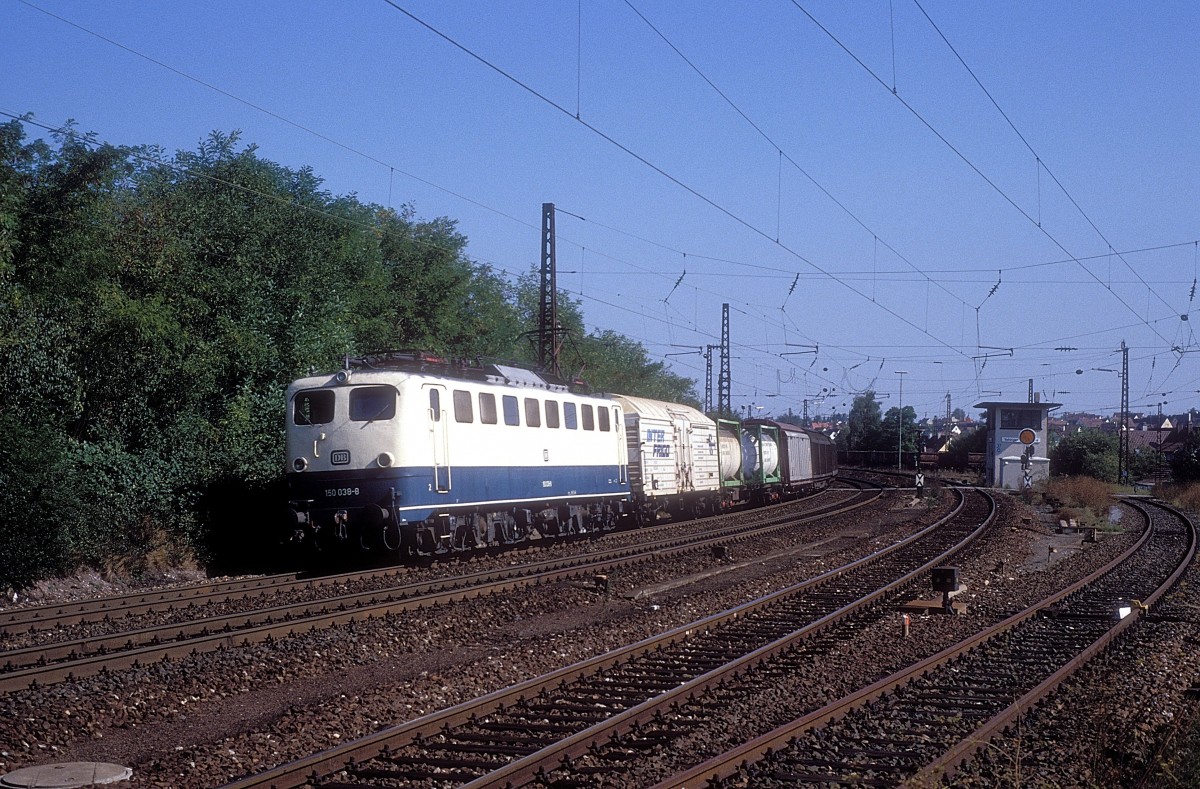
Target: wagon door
683 459
439 426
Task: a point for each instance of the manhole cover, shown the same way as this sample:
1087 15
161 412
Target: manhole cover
66 775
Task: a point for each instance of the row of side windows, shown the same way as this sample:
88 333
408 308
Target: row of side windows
573 416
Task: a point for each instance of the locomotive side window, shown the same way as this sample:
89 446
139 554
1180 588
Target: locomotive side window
569 417
551 413
589 420
372 403
462 406
314 407
435 404
487 408
602 415
511 415
533 417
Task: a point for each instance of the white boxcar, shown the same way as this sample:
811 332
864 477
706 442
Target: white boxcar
673 461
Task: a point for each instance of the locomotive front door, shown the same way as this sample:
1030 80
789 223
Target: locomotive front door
439 438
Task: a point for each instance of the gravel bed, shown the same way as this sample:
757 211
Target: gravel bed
1107 725
211 718
1005 572
162 719
90 585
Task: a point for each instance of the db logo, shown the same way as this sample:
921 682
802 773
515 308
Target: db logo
339 457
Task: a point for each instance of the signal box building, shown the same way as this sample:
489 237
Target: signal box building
1016 455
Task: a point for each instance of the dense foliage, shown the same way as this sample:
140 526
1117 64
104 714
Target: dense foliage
1185 463
1090 453
871 434
961 448
153 308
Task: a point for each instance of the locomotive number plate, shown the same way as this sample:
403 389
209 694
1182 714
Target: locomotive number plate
339 457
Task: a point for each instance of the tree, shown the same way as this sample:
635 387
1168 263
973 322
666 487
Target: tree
864 423
1091 453
1185 463
154 307
962 447
892 434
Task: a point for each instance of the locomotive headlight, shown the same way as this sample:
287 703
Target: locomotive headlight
300 464
385 459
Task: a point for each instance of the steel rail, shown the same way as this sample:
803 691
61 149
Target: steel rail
531 768
45 617
28 667
299 772
727 765
950 762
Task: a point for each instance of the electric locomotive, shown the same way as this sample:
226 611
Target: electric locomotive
407 453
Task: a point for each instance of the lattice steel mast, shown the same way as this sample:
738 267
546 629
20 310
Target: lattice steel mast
724 403
548 329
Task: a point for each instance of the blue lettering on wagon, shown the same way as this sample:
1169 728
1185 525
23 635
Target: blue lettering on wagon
657 438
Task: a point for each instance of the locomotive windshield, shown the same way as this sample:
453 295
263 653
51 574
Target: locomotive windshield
372 403
313 407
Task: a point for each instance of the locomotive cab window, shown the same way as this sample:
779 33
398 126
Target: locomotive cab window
487 408
462 406
372 403
589 419
569 417
602 415
511 415
313 407
552 413
533 417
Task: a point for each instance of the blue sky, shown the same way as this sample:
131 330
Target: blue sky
839 147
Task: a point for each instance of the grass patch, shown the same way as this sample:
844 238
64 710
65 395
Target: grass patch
1185 496
1085 500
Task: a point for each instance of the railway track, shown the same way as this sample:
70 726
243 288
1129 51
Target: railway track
61 615
46 663
516 736
921 724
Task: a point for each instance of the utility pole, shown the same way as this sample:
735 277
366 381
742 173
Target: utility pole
708 401
548 329
1123 428
900 422
724 401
